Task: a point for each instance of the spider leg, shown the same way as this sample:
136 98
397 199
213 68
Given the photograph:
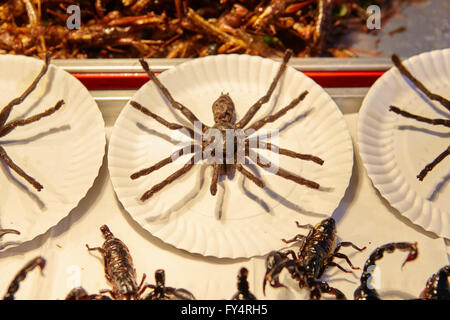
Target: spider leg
174 156
22 122
254 109
289 153
8 231
407 114
434 163
398 63
8 161
6 111
250 176
171 126
271 118
215 178
185 111
188 166
287 175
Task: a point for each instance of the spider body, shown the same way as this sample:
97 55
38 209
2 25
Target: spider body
225 144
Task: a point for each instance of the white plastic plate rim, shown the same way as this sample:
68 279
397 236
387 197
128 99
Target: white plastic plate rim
253 221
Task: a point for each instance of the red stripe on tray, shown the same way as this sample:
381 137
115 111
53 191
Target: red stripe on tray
112 81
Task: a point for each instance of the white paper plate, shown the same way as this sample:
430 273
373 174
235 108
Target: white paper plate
395 149
253 221
63 151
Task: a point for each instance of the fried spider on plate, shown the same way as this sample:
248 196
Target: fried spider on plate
6 127
224 113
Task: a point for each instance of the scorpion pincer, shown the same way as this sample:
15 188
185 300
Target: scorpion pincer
316 253
367 292
119 269
437 287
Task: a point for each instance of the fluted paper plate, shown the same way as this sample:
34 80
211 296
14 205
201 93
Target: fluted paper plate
63 151
253 220
395 149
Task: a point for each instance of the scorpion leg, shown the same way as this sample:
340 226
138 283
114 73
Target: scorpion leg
6 111
334 264
14 286
343 256
254 109
171 126
188 166
298 237
22 122
10 163
174 156
272 118
176 105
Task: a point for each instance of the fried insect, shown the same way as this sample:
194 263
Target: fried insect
183 29
224 113
120 272
432 96
161 292
21 275
119 268
316 253
437 287
367 292
243 287
7 127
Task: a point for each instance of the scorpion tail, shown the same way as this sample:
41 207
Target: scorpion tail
364 291
14 286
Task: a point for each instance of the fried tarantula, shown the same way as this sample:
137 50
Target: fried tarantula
6 128
224 113
432 96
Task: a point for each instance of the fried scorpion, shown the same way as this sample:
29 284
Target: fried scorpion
315 255
120 272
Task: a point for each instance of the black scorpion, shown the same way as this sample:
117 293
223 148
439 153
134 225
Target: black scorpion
315 255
